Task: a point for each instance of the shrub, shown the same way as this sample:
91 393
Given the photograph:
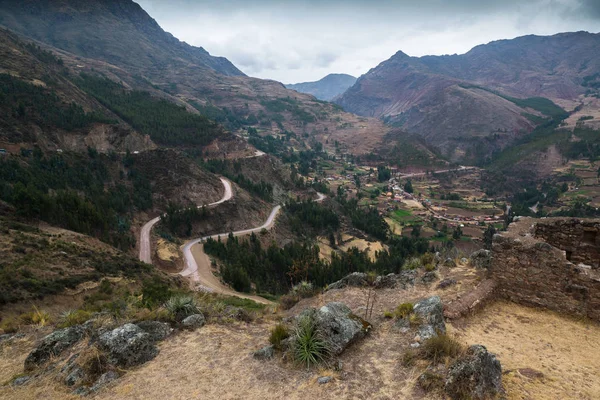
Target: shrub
304 289
36 317
310 348
409 357
155 292
415 319
181 307
429 267
289 300
439 347
74 317
278 334
412 263
430 381
388 314
427 258
403 310
10 324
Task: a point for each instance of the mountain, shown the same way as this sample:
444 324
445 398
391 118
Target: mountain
326 88
117 40
117 31
484 99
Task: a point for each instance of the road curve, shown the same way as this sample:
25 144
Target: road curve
145 251
198 266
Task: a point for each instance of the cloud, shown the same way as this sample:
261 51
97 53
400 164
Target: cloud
300 40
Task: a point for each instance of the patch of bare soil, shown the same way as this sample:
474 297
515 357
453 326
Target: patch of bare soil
544 355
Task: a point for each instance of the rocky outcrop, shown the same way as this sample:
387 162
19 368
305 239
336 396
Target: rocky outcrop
481 259
194 322
52 345
156 330
477 375
431 313
128 346
355 279
338 325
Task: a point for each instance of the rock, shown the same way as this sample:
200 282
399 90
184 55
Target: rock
429 277
403 280
481 259
446 283
4 337
81 391
76 377
450 263
477 375
194 321
355 279
128 346
157 330
403 324
20 381
324 379
52 345
464 261
431 312
338 324
104 380
266 353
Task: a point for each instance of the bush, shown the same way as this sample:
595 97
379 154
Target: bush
181 307
10 324
278 334
36 317
310 348
430 381
412 263
388 314
429 267
403 310
289 300
74 317
439 347
427 258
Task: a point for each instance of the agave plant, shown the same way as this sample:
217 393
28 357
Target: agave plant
181 307
310 348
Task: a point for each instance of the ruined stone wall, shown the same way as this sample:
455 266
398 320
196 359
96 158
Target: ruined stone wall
529 268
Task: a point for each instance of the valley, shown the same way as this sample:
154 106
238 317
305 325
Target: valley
171 227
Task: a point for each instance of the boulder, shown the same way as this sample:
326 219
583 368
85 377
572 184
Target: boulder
338 324
104 380
481 259
429 277
431 312
355 279
266 353
157 330
194 321
128 346
446 283
76 377
52 345
20 381
477 375
324 379
401 280
450 263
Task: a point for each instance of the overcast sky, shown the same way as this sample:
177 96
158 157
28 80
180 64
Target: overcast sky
303 40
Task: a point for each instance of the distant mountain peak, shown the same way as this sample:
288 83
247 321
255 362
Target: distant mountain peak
326 88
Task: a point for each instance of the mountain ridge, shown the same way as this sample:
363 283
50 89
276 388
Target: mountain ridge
326 88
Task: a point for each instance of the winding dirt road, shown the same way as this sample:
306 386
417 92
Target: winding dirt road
145 251
198 266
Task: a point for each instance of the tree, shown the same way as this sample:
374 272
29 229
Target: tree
416 231
408 188
457 233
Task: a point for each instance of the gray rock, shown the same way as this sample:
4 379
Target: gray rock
477 375
431 312
52 345
402 323
338 325
128 346
5 337
104 380
386 281
194 321
157 330
450 263
355 279
81 391
429 277
481 259
446 283
76 377
266 353
20 381
324 379
464 261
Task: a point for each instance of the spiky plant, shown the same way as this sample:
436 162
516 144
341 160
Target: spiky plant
182 306
278 334
310 348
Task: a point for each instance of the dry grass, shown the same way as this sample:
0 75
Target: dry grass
564 350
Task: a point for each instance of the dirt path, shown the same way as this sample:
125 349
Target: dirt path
198 267
145 250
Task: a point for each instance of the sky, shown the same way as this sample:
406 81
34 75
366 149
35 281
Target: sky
303 40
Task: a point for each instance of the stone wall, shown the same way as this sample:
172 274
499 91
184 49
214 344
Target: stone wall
530 264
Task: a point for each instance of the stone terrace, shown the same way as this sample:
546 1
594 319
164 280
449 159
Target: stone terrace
551 263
